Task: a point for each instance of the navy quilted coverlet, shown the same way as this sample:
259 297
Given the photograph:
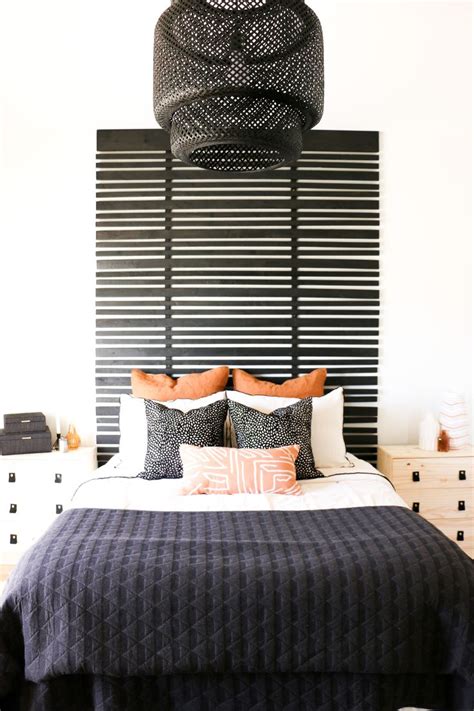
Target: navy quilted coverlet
107 593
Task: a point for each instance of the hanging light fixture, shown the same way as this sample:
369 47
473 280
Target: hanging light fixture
236 82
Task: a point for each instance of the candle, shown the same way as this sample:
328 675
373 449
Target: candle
58 424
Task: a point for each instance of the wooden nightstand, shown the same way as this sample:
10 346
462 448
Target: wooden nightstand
34 489
437 485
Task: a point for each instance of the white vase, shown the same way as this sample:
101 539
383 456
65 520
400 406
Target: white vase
429 432
454 419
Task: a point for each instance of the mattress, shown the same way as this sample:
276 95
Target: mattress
116 486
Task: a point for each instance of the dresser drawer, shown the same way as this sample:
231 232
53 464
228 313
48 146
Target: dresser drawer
30 480
432 473
34 490
25 477
15 538
456 531
432 504
19 532
16 507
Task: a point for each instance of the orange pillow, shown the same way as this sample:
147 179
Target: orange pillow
309 385
226 470
193 386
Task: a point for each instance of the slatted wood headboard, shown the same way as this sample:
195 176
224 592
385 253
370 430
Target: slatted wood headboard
275 272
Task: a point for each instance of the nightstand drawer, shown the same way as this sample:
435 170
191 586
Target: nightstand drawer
452 503
431 473
17 507
15 537
19 533
31 480
463 535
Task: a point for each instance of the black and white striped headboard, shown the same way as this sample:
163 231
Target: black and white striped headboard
277 272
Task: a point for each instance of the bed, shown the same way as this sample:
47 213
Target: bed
339 599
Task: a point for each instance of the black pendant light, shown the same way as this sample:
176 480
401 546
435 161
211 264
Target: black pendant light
236 82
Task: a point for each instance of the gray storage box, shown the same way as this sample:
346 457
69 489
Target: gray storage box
20 443
25 422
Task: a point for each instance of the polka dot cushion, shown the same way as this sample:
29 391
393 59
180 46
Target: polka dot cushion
280 428
168 428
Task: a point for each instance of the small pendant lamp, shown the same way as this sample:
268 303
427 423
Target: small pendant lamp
236 82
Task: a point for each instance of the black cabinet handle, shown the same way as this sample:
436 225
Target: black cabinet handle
59 508
11 477
416 506
460 536
461 505
462 475
13 539
416 476
13 508
58 478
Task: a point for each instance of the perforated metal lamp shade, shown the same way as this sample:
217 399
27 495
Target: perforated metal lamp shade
236 82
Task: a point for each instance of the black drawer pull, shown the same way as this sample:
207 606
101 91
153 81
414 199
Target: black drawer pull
460 536
13 539
461 505
11 477
58 478
416 506
59 508
13 508
416 476
462 475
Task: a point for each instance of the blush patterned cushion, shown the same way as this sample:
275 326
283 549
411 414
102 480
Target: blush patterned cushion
168 428
280 428
224 470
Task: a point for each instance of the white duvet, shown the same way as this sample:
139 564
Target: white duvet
115 487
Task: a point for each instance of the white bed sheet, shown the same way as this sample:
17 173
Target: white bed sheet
116 487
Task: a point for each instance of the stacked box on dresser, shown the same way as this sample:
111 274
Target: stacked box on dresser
25 433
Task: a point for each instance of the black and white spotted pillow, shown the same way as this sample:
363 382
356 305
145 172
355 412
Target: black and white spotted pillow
280 428
167 428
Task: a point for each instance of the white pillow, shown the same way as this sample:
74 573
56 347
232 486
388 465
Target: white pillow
327 439
133 427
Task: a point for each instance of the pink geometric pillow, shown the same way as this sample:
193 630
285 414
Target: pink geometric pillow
227 470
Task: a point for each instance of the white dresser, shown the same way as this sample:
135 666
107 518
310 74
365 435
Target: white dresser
437 485
34 489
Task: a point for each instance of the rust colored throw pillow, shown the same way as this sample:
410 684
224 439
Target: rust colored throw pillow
193 386
309 385
224 470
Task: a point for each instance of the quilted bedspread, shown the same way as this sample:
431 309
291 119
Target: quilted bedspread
373 590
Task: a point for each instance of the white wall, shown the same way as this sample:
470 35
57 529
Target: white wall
69 68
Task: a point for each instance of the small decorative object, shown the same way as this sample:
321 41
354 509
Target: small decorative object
429 433
58 433
73 439
454 419
236 82
63 446
443 441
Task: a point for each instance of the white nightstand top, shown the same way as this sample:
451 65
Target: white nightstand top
405 451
